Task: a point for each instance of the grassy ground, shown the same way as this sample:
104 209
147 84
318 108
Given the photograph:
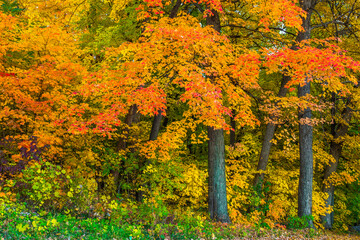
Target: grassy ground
62 227
18 222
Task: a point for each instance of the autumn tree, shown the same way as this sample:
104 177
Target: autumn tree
143 92
216 159
305 129
339 21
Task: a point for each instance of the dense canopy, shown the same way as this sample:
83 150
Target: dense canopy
242 111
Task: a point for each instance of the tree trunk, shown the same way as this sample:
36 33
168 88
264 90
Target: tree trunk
128 121
338 131
216 159
175 9
233 132
335 151
268 136
155 128
122 143
306 160
217 178
305 130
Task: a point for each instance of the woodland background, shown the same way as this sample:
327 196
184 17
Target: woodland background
147 113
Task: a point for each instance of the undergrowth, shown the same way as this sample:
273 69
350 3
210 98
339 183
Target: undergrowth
127 220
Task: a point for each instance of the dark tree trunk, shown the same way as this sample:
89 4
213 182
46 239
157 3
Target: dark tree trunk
335 151
305 130
233 132
306 160
264 155
268 136
130 116
175 9
338 131
122 143
155 128
217 179
216 159
214 21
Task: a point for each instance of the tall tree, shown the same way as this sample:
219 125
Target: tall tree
267 137
343 25
305 129
338 131
216 160
156 124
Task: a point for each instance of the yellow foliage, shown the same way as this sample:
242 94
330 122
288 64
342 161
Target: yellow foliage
195 190
168 144
118 5
239 179
322 158
283 185
183 186
318 206
341 220
48 11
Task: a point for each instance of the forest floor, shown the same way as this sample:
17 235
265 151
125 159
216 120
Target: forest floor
18 222
297 234
86 229
286 235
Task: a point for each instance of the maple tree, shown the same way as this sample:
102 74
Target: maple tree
283 89
129 99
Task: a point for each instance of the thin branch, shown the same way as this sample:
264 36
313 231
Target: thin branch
327 23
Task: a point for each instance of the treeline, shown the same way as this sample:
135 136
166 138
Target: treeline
245 110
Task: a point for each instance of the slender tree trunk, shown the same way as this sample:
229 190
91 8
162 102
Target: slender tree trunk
335 151
216 159
122 143
155 128
268 136
217 178
305 130
175 9
338 131
264 155
233 132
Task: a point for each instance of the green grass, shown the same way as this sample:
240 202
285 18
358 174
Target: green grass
18 222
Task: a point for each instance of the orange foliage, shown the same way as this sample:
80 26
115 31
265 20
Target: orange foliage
49 90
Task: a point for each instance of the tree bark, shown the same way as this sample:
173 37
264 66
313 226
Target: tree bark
268 136
217 179
306 160
216 159
122 143
338 131
335 151
233 132
305 130
175 9
155 128
128 121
